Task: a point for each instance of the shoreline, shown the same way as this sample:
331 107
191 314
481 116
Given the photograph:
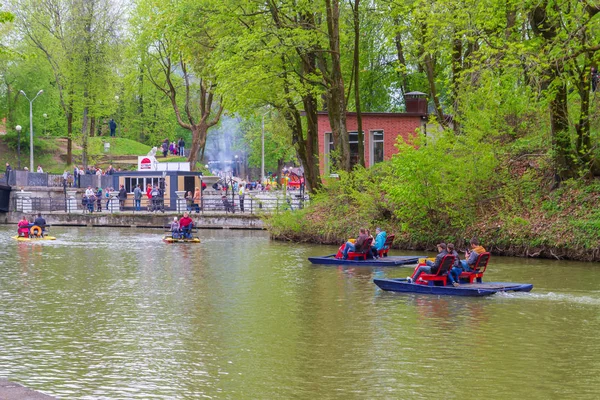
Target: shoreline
15 391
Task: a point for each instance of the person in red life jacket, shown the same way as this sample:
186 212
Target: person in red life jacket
23 226
186 224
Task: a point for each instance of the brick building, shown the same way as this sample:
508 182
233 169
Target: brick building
381 131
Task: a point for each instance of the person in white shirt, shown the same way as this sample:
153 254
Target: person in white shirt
40 170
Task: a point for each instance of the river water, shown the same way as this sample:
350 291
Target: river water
109 313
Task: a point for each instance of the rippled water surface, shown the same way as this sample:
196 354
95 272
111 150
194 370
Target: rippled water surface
105 313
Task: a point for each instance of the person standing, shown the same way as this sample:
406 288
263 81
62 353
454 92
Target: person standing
137 197
189 200
99 199
181 146
122 197
107 195
242 193
8 171
165 147
40 170
75 176
113 127
197 200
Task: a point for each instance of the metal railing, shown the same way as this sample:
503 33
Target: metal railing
208 204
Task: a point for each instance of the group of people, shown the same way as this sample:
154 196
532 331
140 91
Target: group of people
182 228
93 197
357 245
175 149
24 226
193 200
466 265
156 198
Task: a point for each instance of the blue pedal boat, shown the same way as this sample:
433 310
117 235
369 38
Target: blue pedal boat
476 289
391 261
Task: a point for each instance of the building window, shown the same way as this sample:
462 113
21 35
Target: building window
376 147
131 182
353 140
329 147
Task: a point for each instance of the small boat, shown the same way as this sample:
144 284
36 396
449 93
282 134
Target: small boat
390 261
476 289
171 239
33 238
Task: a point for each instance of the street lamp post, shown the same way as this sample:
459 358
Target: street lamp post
31 127
262 163
18 128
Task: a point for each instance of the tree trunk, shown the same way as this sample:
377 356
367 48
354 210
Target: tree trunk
561 141
457 50
431 80
361 144
401 60
92 126
547 28
198 142
583 144
69 138
84 138
336 100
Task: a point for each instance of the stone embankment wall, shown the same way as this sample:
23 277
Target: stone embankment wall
145 220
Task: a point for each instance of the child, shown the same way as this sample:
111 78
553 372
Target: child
175 228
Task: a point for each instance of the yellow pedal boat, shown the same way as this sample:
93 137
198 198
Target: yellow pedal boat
169 239
33 238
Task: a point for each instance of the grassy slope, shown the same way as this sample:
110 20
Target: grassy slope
48 151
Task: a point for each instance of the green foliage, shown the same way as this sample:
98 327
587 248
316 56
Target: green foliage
439 182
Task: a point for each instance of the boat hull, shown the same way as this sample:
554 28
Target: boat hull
169 239
465 289
390 261
33 239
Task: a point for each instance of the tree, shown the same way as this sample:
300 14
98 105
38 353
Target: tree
178 73
75 37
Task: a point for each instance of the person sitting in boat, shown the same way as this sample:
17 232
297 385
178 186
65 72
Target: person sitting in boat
456 269
41 222
357 245
471 256
175 234
23 227
379 242
430 267
186 224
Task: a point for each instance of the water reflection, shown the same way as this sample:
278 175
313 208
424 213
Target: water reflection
116 313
